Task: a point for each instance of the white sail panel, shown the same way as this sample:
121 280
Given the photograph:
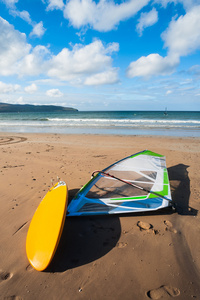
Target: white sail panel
136 183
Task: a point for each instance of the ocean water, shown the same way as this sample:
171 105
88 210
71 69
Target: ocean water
183 124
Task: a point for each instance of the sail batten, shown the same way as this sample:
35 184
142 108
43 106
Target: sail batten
136 183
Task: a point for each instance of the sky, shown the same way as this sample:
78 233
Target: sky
101 55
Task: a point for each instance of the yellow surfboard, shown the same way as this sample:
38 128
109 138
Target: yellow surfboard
46 227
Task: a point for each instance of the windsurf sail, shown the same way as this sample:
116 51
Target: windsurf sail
136 183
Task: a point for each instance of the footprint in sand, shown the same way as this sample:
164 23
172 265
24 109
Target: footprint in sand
144 225
163 291
169 226
121 245
4 276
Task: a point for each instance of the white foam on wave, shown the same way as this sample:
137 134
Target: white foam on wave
121 121
98 122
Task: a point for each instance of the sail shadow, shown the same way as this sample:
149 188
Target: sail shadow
180 189
85 239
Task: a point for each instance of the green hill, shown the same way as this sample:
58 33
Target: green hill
6 107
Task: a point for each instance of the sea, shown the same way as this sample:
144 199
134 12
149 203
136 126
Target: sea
161 123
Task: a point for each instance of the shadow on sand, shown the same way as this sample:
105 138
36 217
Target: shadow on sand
85 239
180 189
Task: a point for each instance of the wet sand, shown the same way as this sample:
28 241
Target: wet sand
137 256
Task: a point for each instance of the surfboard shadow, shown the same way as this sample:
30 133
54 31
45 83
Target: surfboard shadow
180 189
85 239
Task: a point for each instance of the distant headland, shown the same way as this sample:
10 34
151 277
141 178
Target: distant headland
6 107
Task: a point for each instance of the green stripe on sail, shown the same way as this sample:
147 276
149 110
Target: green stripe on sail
86 185
130 198
147 152
165 190
150 153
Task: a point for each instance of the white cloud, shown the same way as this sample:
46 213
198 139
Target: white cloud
10 3
31 88
153 64
82 61
195 70
107 77
24 15
168 92
38 30
54 93
20 100
8 88
17 56
76 65
104 15
187 4
13 48
182 37
55 4
146 20
35 62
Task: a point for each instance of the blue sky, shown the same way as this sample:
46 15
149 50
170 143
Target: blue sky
101 55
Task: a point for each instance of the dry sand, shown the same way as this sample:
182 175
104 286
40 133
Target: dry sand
144 256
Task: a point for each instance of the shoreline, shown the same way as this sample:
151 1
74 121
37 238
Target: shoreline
104 255
121 135
185 133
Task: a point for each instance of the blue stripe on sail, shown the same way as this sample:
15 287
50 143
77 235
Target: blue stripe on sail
96 206
147 203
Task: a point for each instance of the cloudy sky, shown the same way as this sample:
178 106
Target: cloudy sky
101 55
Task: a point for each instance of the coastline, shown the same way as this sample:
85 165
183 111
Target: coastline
99 257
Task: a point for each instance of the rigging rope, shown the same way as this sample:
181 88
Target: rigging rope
132 184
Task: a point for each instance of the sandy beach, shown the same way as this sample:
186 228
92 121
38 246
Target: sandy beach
100 257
